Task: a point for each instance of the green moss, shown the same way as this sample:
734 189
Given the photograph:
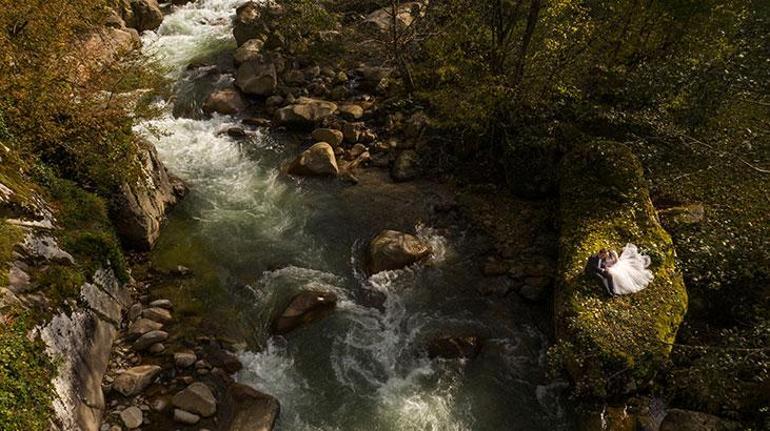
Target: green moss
9 236
97 249
25 379
87 231
612 342
60 282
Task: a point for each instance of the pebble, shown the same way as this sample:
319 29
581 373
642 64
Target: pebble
159 404
156 348
157 314
132 417
134 312
162 303
184 358
149 339
186 417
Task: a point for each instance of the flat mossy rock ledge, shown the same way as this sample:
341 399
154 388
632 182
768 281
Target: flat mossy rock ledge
612 346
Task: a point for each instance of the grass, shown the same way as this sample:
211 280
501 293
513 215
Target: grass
25 378
9 236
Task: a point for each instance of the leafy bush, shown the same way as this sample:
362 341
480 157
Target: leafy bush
25 378
57 86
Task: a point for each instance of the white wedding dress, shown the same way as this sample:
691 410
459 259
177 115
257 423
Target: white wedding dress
630 273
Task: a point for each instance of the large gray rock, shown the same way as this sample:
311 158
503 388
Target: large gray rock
257 78
305 112
80 342
196 398
253 410
392 250
135 380
227 101
317 160
303 309
141 206
686 420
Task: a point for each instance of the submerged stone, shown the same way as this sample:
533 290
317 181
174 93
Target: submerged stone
305 308
455 347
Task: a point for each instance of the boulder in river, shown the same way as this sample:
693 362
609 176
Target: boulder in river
140 208
317 160
253 410
227 101
394 250
303 309
454 347
305 112
257 78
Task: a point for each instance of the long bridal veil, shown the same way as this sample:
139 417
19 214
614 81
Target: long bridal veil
630 273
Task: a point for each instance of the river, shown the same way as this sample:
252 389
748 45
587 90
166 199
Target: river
254 237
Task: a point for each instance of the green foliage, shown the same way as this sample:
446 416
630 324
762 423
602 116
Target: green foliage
9 236
56 82
25 378
60 282
302 18
88 233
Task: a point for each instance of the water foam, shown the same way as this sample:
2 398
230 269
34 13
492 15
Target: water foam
191 31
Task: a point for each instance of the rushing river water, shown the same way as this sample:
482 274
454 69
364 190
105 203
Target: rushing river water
254 237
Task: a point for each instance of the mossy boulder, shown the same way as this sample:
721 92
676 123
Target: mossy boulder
612 345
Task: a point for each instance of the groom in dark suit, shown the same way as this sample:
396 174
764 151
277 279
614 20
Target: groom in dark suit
598 265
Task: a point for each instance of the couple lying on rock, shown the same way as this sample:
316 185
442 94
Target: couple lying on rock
624 274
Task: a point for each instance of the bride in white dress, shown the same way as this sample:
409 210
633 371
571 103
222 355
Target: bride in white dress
630 274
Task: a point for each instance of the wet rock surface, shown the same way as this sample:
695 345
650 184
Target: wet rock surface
391 250
318 160
303 309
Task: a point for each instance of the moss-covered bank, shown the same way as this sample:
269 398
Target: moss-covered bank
608 345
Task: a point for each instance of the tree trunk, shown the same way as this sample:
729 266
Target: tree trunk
534 13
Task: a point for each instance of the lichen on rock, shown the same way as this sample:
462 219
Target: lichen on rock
612 345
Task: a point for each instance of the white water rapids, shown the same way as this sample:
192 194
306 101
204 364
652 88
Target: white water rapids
363 367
